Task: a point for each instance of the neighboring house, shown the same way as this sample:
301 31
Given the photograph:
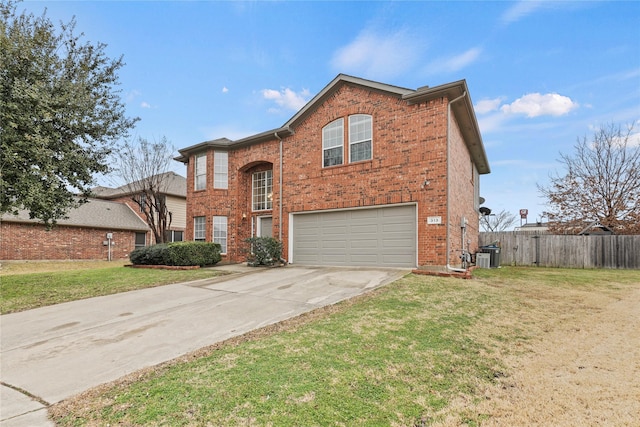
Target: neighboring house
584 228
365 174
175 193
83 235
539 227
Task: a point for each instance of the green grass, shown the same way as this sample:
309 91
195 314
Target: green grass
421 348
26 291
393 357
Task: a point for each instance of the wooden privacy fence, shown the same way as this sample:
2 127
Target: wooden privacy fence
549 250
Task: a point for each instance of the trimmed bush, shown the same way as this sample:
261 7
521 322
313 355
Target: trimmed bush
192 253
178 253
149 255
264 251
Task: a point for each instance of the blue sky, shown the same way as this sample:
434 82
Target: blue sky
541 74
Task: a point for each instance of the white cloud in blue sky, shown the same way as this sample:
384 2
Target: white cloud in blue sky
536 104
454 63
371 53
521 9
487 105
287 98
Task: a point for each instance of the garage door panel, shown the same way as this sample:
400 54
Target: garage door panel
376 236
334 244
364 228
364 244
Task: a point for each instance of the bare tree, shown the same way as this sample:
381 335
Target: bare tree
497 222
602 183
143 166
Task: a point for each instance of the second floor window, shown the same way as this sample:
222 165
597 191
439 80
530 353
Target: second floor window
220 170
200 172
359 137
262 191
333 143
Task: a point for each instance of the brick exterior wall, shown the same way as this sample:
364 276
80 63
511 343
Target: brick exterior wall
61 242
409 148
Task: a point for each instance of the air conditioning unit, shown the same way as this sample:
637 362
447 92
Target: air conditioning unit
483 260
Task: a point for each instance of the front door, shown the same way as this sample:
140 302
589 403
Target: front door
265 226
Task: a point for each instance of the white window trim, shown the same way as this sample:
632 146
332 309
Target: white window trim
221 170
353 142
196 232
267 197
197 173
220 228
336 123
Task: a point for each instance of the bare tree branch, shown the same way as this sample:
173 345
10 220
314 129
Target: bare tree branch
602 183
143 166
501 221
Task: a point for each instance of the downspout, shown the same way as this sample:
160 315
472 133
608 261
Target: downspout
280 191
448 178
282 260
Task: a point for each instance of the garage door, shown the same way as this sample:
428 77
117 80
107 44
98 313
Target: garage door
377 237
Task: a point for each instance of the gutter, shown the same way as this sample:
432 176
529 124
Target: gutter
449 180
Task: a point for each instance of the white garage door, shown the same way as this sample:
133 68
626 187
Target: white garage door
377 237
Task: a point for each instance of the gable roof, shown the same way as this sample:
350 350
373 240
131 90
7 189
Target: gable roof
463 111
175 185
96 213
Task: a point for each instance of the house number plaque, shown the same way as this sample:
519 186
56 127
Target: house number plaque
434 220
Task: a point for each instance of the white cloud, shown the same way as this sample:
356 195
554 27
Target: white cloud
634 140
520 10
487 105
287 98
225 89
536 104
145 104
377 55
458 62
454 63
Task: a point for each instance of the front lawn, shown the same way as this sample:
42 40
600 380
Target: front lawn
419 351
61 283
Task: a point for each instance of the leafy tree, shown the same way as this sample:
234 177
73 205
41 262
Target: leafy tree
143 166
501 221
60 114
601 183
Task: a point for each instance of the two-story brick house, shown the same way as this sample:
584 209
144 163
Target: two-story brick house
365 174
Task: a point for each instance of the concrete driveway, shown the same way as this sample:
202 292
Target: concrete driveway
52 353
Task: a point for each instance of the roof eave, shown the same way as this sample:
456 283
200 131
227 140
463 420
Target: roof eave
227 144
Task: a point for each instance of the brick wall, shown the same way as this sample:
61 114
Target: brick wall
461 199
27 241
409 165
